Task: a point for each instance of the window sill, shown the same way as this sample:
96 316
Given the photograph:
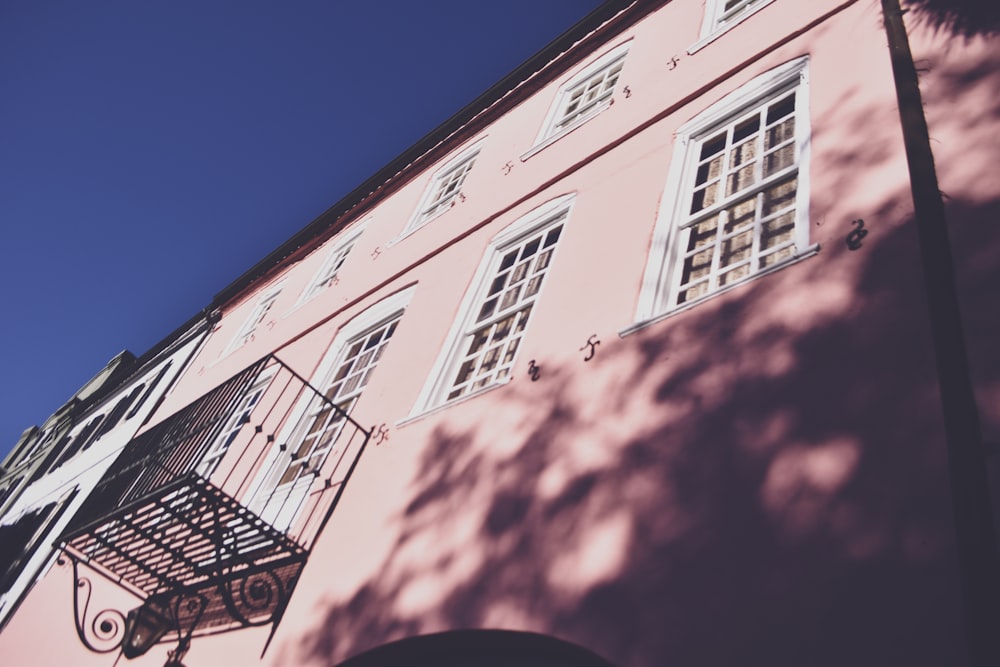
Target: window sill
404 235
642 324
228 352
719 30
305 302
236 350
548 141
413 229
416 416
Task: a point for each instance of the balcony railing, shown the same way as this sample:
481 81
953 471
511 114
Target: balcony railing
177 519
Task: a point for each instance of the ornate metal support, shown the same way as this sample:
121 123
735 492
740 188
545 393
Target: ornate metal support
198 559
255 599
187 613
104 632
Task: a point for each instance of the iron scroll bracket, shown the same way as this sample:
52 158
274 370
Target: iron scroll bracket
106 629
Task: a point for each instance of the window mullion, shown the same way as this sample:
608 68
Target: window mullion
723 216
757 231
759 196
720 230
801 138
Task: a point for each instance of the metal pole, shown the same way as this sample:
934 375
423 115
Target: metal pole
975 531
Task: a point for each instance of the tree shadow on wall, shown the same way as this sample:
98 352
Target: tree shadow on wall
791 514
961 18
759 480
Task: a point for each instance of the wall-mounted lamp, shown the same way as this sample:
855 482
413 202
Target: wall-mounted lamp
144 626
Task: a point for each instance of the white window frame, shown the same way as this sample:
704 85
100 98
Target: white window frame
718 20
441 378
431 205
265 304
555 125
384 311
334 261
234 424
658 296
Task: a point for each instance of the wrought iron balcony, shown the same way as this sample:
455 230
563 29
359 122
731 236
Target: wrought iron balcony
209 515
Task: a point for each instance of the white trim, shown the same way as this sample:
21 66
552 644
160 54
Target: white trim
439 380
409 419
713 26
550 131
346 241
657 295
421 217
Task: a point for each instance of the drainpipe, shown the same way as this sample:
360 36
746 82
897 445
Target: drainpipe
979 566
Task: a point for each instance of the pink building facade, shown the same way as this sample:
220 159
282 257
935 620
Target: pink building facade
629 363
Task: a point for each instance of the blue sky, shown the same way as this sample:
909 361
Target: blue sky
152 151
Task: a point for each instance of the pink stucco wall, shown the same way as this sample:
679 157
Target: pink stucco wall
757 480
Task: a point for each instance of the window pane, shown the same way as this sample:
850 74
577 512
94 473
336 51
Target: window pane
778 197
510 298
781 109
779 159
734 275
692 293
698 265
777 231
741 214
703 232
705 197
530 248
487 310
777 257
736 249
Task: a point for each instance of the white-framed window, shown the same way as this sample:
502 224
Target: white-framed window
720 15
445 187
327 274
313 441
585 95
264 305
234 424
739 187
484 340
150 383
